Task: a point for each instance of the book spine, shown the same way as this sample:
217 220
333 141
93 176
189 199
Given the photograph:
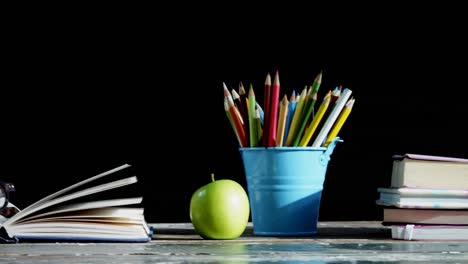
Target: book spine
394 178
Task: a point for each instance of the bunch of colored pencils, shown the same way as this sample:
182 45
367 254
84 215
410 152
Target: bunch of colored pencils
287 123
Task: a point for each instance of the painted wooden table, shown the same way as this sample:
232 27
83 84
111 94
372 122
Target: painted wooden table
336 242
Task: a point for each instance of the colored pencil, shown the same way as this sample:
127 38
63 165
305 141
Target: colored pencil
273 115
317 82
259 125
226 109
236 118
228 96
292 108
296 118
245 109
316 121
306 100
252 123
339 123
334 96
260 110
283 113
266 109
237 101
307 113
340 103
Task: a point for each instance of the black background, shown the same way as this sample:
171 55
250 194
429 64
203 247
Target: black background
87 93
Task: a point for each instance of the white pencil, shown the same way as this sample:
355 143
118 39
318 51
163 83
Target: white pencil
340 103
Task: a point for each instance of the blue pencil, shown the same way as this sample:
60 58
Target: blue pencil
262 114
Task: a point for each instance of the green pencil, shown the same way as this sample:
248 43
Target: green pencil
296 118
317 82
252 123
307 113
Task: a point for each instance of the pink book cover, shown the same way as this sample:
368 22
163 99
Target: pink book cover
428 157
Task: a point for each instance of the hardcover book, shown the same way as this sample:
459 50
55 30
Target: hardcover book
424 171
430 232
393 215
423 198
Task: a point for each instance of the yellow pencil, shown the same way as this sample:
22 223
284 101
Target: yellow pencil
283 113
296 118
315 122
339 123
332 117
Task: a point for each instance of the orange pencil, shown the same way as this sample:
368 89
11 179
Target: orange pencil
245 108
237 124
228 114
228 96
236 118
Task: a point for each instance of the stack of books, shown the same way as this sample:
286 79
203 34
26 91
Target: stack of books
427 199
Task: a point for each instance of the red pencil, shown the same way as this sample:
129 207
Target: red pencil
273 116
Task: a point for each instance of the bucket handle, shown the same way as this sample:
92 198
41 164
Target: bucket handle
325 157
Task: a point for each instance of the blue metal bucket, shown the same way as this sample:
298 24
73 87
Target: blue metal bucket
285 186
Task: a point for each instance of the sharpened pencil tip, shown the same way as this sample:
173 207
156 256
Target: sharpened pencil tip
268 79
276 81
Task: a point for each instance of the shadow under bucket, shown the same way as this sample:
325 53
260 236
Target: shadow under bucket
285 186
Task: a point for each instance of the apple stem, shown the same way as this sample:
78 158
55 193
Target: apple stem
212 177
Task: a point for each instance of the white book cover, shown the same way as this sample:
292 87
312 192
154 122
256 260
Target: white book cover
430 232
423 198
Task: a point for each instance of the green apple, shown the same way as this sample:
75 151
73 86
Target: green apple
220 210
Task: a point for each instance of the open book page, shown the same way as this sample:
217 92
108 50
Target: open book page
101 215
85 206
114 215
125 222
49 202
25 210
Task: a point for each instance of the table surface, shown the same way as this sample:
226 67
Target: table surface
336 242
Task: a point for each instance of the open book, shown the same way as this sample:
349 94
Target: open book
72 214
